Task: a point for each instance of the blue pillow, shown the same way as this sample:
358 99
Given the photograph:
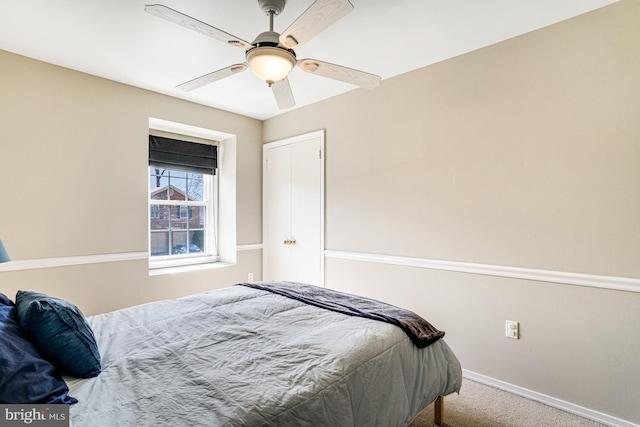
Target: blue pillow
61 333
25 377
4 300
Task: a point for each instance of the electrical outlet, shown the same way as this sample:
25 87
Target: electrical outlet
512 329
250 277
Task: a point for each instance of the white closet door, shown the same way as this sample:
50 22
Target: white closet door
277 254
293 231
306 211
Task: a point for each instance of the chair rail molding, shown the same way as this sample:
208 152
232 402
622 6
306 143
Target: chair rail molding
32 264
579 279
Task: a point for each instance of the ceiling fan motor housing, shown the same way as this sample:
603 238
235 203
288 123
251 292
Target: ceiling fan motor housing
275 6
267 38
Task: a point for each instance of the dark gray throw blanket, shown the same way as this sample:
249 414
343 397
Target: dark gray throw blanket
421 332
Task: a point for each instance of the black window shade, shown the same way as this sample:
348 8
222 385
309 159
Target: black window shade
167 153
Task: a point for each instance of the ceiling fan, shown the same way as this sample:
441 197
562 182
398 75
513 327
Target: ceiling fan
271 56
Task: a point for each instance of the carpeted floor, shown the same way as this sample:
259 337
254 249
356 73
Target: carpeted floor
479 405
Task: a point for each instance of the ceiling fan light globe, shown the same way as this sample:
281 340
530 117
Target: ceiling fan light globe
270 64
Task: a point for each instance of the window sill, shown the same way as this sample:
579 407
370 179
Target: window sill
187 268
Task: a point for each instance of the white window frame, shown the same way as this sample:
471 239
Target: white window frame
224 201
210 253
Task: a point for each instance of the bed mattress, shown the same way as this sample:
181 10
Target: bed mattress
245 357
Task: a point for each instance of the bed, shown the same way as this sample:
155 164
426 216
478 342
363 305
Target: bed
243 356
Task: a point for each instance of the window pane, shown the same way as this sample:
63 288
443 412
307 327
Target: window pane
155 212
194 187
178 221
197 217
196 241
177 188
159 217
179 244
159 243
158 182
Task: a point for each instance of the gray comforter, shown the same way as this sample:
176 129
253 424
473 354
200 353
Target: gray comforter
245 357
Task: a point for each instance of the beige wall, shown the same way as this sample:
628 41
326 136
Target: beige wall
523 154
73 164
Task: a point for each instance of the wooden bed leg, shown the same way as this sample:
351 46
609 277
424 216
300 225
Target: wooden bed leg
438 412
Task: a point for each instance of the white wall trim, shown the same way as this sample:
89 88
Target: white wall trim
579 279
548 400
249 247
32 264
181 128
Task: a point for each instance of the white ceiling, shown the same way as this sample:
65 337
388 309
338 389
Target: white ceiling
118 40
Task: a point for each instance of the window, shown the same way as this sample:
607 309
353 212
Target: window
181 202
156 212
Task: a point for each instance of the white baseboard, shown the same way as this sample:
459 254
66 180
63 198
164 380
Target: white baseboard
550 401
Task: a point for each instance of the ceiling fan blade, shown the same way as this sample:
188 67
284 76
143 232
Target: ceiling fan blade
320 15
338 72
193 24
283 94
211 77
